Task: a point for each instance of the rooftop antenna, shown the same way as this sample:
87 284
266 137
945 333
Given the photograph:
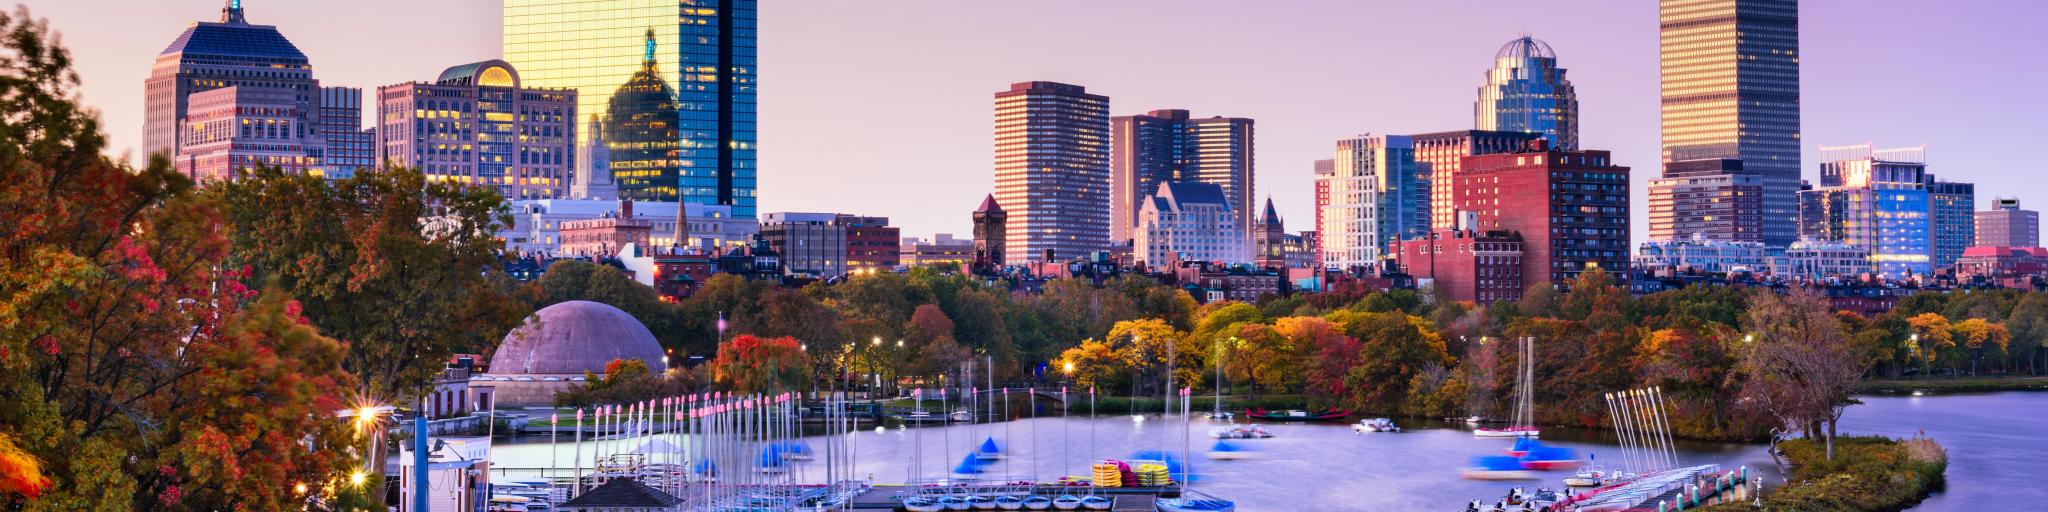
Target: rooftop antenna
232 13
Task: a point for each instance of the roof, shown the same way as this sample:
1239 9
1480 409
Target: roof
240 40
1993 250
1524 48
988 205
494 73
622 493
1185 192
575 337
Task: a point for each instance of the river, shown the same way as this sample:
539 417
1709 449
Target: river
1328 467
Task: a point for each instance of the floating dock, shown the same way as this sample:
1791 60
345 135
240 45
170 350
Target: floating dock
890 497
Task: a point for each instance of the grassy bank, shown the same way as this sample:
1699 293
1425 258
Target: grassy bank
1867 473
1958 384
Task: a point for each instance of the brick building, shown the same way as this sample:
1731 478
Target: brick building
1570 207
1471 266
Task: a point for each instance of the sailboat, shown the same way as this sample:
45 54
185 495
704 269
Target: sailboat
1189 500
1219 413
1524 423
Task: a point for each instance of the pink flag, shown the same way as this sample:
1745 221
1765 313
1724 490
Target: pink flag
579 415
554 418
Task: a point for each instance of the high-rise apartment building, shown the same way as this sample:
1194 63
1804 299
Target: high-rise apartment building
1952 209
478 124
1878 201
1167 146
1188 221
1714 198
1324 169
1443 153
2006 225
1570 207
1052 170
348 145
233 129
210 55
596 46
1377 194
1730 89
1526 92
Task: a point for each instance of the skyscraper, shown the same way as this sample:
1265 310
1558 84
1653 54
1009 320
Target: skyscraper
1526 92
349 146
594 46
1442 154
641 140
2006 225
478 124
1052 170
1378 194
1730 91
1875 200
210 55
1953 212
1166 146
229 130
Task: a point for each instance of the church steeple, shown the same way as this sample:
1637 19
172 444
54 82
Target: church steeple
233 13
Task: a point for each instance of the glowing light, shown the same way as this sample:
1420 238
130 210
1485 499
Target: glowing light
299 488
357 478
1070 367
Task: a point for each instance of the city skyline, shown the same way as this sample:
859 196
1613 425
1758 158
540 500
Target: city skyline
849 141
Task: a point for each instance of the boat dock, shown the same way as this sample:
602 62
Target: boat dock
888 497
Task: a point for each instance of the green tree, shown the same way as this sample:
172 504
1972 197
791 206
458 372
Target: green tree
2028 324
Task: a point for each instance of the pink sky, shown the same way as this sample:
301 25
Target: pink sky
883 108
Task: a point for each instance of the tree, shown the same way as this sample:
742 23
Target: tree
626 381
1983 339
1393 349
1329 354
395 264
2028 325
1265 358
752 365
1799 364
933 349
1932 336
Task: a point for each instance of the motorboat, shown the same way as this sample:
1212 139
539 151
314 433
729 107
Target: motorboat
1066 502
1037 503
1509 432
1191 501
1375 425
1093 502
1240 432
1223 415
1009 503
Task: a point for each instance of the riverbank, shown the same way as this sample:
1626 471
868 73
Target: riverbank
1957 385
1867 474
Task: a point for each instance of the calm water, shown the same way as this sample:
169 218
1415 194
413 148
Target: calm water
1995 443
1328 467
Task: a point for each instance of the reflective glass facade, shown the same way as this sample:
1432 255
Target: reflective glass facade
596 46
1730 90
1166 146
1526 92
642 142
1052 170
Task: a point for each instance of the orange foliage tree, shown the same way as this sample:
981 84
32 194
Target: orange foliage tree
749 364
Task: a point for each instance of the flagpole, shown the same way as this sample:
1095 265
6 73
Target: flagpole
579 452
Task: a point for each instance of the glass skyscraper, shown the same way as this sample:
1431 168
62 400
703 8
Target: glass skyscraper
642 142
596 46
1165 146
1526 92
1730 91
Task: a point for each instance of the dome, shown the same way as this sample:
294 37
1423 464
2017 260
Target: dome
1524 48
575 337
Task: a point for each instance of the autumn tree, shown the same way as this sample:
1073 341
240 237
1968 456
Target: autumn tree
749 364
1931 337
1798 363
1328 355
1393 348
626 381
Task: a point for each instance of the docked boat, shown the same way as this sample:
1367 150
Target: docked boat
1240 432
1037 503
1222 415
1375 425
922 504
954 503
1192 501
1067 502
1009 503
961 415
1093 502
1298 415
981 503
1591 476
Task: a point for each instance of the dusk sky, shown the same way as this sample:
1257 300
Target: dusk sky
884 108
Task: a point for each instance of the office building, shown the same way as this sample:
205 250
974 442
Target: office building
1188 221
2006 225
1165 146
212 55
1953 219
641 138
1876 200
596 46
231 130
1712 198
1443 154
811 244
1526 92
1730 91
1350 229
940 249
871 243
1570 207
1052 171
348 145
478 124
